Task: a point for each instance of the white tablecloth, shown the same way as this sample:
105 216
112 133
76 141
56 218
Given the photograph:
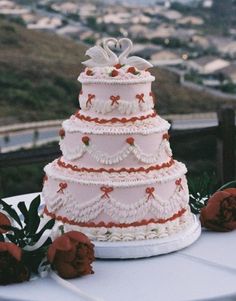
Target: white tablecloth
206 270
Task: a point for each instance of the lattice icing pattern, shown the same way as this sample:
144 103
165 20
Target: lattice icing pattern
116 179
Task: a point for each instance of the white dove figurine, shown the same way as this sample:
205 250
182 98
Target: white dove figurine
101 57
134 61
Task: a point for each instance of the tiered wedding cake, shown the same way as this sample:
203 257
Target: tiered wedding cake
117 180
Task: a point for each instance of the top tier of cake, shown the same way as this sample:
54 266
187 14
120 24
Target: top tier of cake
115 85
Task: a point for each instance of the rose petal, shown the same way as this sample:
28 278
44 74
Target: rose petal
12 249
78 236
61 243
66 270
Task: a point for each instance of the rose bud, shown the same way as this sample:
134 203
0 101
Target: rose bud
71 255
220 212
114 73
12 269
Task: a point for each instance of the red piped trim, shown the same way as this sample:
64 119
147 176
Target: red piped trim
111 224
113 170
113 120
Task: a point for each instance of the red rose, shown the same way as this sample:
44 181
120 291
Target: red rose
114 73
85 140
130 140
12 269
131 70
4 221
118 66
220 211
71 255
89 72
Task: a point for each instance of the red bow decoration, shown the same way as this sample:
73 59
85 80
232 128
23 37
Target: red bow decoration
106 190
89 99
149 191
114 99
140 97
178 183
62 187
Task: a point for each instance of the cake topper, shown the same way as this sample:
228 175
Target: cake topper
104 56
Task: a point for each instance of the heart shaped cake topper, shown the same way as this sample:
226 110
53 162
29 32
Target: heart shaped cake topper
104 56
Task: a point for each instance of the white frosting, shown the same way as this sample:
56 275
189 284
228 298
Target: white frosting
74 153
150 231
124 107
122 179
118 211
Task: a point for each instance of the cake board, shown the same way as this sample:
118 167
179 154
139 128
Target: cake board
150 247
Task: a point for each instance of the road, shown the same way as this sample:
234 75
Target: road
29 138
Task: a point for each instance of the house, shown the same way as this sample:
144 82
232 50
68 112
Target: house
170 14
191 20
166 58
207 65
225 46
138 30
163 31
66 8
46 23
140 19
200 41
11 8
230 72
69 30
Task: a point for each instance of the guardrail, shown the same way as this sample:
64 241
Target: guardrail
224 132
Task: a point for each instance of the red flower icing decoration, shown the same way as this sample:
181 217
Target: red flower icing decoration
118 66
62 133
166 136
62 187
132 70
140 97
89 99
114 73
89 72
130 140
85 140
114 99
179 183
106 190
149 191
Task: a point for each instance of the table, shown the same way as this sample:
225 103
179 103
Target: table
204 271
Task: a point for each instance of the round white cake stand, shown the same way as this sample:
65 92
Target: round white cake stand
150 247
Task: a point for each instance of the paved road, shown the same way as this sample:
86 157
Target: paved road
28 138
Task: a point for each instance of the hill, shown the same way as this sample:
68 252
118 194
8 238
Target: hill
38 74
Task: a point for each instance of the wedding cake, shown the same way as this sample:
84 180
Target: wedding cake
116 180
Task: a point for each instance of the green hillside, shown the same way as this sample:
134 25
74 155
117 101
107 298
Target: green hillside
38 74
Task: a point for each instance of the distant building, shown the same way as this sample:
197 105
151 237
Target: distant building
66 7
191 20
46 23
166 58
11 8
225 46
207 65
230 72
